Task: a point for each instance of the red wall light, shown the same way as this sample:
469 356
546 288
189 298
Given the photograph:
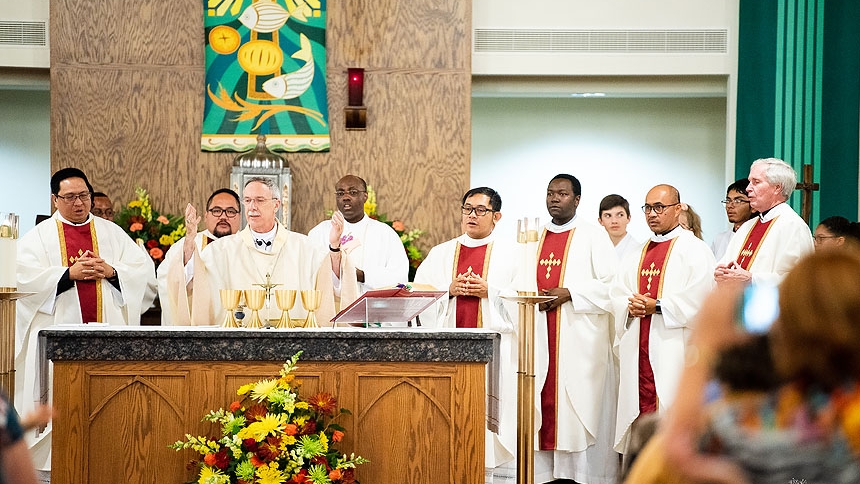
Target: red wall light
355 86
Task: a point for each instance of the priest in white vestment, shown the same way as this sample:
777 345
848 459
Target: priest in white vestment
765 248
82 269
656 293
373 247
574 371
176 273
289 259
477 269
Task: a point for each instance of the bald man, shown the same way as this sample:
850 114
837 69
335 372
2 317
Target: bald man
656 293
373 247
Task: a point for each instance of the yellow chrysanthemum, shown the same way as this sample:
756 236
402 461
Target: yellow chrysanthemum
302 405
209 475
263 388
166 240
134 204
270 475
269 425
245 389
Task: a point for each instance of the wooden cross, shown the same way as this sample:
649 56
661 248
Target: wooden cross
807 186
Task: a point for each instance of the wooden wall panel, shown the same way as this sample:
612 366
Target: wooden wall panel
127 103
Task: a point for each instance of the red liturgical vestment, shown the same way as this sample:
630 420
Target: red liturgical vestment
477 261
75 241
753 243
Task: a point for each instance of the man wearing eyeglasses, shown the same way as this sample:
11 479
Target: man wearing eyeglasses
766 247
574 371
265 252
102 206
477 268
656 293
738 211
81 269
177 283
373 247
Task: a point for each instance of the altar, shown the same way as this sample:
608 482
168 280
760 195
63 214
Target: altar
122 394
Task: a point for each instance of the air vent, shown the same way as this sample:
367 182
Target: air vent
602 41
23 33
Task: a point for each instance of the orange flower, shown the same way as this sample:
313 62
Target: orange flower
256 461
209 459
162 219
335 474
135 227
398 226
336 436
291 429
324 403
156 253
235 406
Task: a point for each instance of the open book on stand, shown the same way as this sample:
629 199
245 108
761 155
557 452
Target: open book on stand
399 305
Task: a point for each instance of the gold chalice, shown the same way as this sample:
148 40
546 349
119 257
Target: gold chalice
230 301
311 299
255 299
286 299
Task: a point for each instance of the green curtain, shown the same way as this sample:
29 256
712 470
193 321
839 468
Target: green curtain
799 94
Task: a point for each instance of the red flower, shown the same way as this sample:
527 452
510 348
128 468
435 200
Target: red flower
256 461
322 461
268 450
250 444
310 427
255 412
336 436
300 478
324 403
152 244
348 476
235 406
221 459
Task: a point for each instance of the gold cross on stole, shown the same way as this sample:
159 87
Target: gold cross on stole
73 259
549 263
650 272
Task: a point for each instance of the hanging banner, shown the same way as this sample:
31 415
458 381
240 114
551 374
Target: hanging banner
265 74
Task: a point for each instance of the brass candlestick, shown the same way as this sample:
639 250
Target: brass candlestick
286 299
230 302
255 298
311 299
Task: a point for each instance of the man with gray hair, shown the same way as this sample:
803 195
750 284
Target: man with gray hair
766 247
265 252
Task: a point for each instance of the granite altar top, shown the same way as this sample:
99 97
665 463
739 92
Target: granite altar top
177 343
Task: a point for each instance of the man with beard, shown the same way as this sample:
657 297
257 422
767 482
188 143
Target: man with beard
656 293
765 248
176 274
373 247
574 372
738 211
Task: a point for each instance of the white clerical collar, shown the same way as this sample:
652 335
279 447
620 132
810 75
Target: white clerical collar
669 236
470 242
773 212
63 219
264 241
561 228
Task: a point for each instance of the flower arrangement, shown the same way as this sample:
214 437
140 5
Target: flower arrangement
153 231
275 438
408 237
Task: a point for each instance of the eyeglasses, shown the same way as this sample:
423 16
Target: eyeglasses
102 213
257 201
229 212
352 193
821 238
734 201
658 208
83 197
479 211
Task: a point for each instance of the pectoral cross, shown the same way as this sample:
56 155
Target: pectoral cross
807 186
549 263
650 272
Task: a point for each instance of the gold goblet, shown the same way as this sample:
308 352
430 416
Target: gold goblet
255 299
230 301
286 299
311 299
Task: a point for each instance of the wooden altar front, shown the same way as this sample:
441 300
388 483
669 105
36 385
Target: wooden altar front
121 396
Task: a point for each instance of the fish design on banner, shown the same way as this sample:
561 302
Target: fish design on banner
293 84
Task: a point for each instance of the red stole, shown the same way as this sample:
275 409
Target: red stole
75 240
552 258
753 242
477 261
652 269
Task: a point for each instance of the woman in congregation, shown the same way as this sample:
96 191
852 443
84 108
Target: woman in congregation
834 231
807 429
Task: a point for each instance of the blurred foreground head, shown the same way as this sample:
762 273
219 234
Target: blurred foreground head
817 338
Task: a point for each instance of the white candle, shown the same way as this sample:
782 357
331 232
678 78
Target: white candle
8 264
